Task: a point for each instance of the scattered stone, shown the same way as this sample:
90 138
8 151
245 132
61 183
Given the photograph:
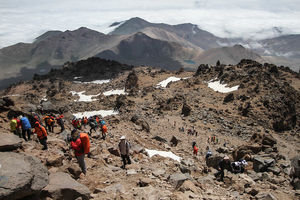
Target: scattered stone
160 139
229 97
75 170
264 196
21 176
143 182
114 151
55 160
62 186
177 179
174 141
9 142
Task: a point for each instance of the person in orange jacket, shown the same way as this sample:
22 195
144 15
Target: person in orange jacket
41 134
77 145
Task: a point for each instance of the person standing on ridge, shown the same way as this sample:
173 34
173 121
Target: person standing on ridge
15 125
41 134
124 147
26 127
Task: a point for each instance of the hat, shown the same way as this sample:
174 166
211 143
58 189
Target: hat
244 162
37 124
226 158
123 137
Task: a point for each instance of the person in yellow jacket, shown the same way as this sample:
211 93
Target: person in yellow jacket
41 134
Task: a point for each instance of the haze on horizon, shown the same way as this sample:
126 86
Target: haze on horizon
23 20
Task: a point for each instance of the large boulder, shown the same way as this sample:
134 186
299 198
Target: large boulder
21 176
62 186
244 150
178 179
295 163
186 109
9 142
213 161
131 81
261 164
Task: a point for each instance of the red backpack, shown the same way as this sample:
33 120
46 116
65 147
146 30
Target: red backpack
86 142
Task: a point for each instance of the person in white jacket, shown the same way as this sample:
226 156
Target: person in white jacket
124 147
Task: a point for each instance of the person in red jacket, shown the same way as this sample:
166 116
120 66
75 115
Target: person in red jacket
77 145
41 134
195 149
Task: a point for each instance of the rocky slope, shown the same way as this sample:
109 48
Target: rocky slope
260 118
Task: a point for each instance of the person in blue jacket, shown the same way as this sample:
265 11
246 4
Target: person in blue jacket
26 127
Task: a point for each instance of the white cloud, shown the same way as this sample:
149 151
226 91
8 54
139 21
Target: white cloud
23 20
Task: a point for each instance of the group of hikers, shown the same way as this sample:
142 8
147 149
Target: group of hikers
225 163
79 141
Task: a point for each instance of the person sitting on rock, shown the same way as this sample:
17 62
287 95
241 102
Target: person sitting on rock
26 127
223 164
41 134
77 146
124 148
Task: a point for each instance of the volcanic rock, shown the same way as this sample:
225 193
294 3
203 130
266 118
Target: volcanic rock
62 186
21 176
9 142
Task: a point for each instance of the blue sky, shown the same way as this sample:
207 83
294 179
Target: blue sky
24 20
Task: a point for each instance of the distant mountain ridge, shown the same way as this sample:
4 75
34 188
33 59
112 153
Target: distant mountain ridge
139 42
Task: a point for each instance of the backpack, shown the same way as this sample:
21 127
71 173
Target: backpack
86 142
102 122
104 128
13 124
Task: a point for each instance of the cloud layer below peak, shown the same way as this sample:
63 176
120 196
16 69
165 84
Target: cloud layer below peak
22 20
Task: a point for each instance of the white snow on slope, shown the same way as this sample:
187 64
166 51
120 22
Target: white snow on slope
164 83
217 86
83 97
112 92
103 113
166 154
93 82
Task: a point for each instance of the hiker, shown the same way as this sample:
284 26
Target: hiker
103 130
81 144
93 124
85 121
208 153
49 122
26 127
60 122
35 118
239 166
195 149
76 123
223 164
15 125
124 147
41 134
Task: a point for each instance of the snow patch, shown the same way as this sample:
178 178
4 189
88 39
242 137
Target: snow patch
93 82
217 86
88 114
164 83
166 154
44 98
113 92
77 77
83 97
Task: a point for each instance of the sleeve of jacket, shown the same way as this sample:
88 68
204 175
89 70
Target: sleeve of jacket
44 132
76 145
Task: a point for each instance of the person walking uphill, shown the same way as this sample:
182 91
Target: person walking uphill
223 164
15 125
25 127
81 144
41 134
124 147
60 122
